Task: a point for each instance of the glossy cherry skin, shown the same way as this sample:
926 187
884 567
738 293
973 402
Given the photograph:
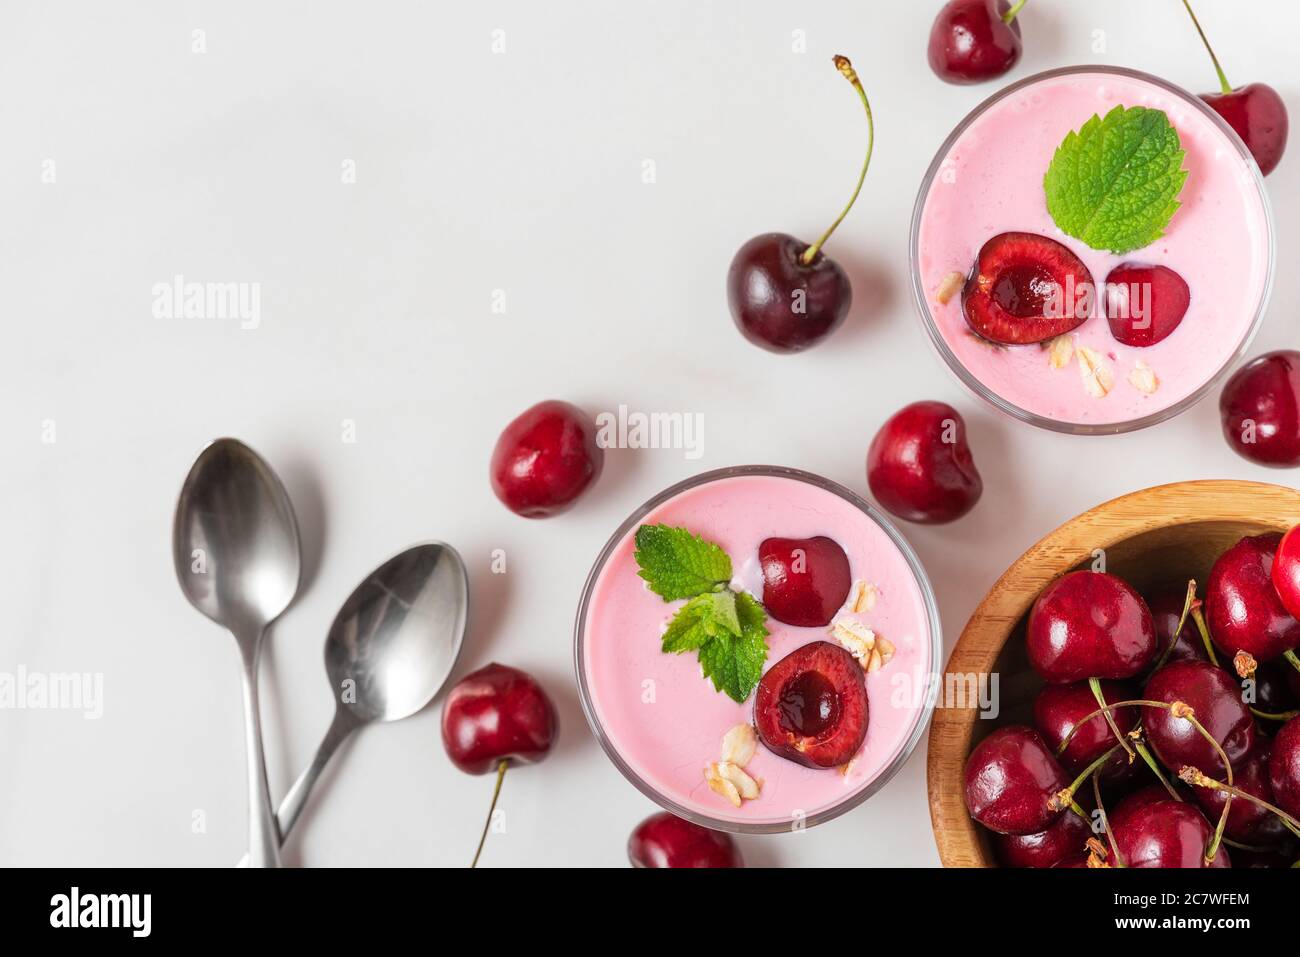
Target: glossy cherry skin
1090 625
920 467
1010 777
1067 837
1242 608
545 459
811 706
1134 802
969 41
497 714
1245 819
1260 410
1145 304
1166 604
1259 116
1058 708
781 304
1284 768
1215 698
665 840
805 580
1167 834
1286 571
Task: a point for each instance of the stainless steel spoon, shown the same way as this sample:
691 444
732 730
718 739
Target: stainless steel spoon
237 557
389 651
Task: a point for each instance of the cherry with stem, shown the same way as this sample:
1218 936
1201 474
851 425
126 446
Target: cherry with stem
1187 610
1194 776
1095 685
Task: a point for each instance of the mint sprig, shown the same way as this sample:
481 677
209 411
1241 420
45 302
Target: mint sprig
726 629
1114 183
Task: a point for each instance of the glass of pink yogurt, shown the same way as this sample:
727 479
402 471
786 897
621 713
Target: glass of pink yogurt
987 179
662 723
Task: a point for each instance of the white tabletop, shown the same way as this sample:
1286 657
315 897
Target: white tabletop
484 161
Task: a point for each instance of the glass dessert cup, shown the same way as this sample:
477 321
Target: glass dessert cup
664 750
987 179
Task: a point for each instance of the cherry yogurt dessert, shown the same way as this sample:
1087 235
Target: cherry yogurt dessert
754 649
1041 287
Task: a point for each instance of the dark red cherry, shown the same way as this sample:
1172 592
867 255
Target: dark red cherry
1011 779
781 303
1167 834
1260 410
1258 115
1090 625
497 714
1134 802
1166 604
811 706
971 41
1067 837
1286 571
805 580
1058 708
1215 699
1242 608
1026 288
545 459
1284 768
1145 304
920 466
665 840
1245 818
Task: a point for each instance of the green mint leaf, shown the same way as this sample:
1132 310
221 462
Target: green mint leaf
734 662
701 619
677 564
1114 183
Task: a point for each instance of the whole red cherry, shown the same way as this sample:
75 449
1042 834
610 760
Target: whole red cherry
665 840
920 467
1167 834
1090 625
974 40
545 459
1260 410
1012 780
1286 571
1243 608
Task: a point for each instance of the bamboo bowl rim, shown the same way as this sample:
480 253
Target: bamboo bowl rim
1072 544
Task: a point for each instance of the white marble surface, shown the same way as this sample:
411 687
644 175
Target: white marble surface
476 171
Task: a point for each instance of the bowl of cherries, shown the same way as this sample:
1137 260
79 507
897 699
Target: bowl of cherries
1128 693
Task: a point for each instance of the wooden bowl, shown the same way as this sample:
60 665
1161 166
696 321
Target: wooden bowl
1164 534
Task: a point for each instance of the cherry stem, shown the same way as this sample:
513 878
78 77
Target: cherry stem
1205 636
1105 822
1291 656
496 793
1065 798
1155 769
1187 610
845 67
1193 776
1095 685
1106 709
1213 849
1274 715
1223 80
1011 14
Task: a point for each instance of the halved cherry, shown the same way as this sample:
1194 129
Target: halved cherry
1026 288
1144 304
811 706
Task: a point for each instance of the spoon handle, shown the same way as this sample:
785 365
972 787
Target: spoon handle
263 836
295 800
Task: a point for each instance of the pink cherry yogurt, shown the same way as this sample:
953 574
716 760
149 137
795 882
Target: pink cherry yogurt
660 718
990 180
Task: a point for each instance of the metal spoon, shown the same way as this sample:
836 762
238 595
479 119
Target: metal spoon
389 651
235 548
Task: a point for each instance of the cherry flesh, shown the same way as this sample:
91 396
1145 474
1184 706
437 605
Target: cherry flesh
1286 571
920 467
1215 699
1058 708
811 706
1065 838
1260 410
1167 833
970 41
665 840
497 714
1284 768
1243 609
1166 604
1090 625
545 459
1026 288
1145 304
1245 818
805 580
1011 776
